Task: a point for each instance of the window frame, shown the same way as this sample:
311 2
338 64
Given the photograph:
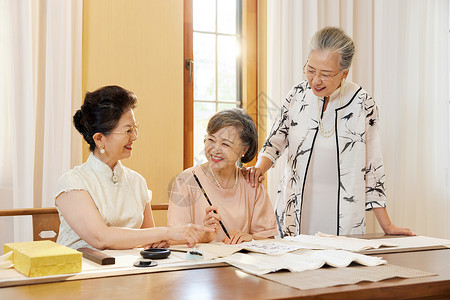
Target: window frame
249 78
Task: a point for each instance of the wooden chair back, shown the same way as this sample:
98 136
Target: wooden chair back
46 220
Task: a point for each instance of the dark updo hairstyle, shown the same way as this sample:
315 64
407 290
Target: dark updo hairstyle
238 118
101 111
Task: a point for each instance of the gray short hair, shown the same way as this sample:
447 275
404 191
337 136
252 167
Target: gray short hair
238 118
334 39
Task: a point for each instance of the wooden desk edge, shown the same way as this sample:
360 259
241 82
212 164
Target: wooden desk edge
89 275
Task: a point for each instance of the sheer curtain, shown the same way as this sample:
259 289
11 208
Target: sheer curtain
401 61
40 82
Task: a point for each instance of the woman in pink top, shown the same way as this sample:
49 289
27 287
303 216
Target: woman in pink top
245 212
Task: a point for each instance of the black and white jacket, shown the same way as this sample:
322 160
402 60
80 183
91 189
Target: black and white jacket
361 172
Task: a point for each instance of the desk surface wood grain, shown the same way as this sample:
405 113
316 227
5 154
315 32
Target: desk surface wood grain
231 283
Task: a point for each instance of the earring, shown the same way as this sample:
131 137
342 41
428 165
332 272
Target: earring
102 149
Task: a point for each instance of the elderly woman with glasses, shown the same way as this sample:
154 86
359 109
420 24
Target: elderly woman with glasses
334 170
101 203
216 194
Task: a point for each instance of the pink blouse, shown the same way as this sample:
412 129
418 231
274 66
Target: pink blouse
242 207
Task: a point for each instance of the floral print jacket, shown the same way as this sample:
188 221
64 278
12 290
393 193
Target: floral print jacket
361 171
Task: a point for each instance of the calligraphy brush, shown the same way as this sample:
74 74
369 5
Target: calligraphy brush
209 202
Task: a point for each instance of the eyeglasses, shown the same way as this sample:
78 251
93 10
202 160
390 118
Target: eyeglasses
311 74
130 132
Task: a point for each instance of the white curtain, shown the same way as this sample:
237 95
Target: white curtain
40 82
402 61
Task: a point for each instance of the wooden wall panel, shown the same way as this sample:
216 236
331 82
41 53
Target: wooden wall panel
139 46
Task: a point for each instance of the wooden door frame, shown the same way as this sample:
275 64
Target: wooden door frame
250 61
188 128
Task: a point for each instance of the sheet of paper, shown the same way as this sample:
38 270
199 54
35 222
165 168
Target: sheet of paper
411 242
259 264
216 250
343 258
342 242
5 262
271 247
321 278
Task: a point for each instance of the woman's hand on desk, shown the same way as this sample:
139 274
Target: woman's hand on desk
237 237
162 244
189 233
386 224
396 230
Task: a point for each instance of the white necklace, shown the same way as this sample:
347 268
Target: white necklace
218 183
323 132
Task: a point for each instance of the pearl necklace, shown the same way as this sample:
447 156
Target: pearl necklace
323 132
218 183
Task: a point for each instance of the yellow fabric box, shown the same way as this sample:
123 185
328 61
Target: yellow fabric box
43 258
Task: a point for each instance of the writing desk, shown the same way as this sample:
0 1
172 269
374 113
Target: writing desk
231 283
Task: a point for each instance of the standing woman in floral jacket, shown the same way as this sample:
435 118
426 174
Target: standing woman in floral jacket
334 168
